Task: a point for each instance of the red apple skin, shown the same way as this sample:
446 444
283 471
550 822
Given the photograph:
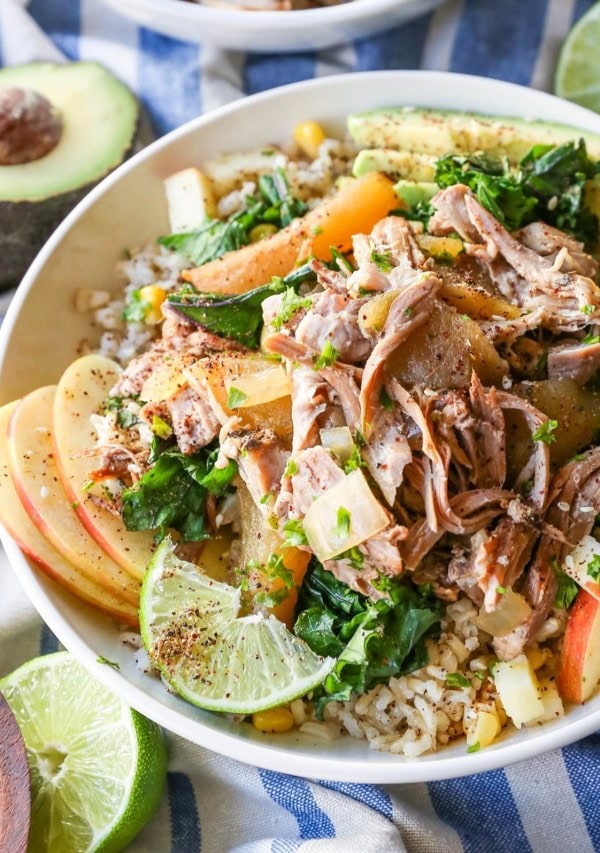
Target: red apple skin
19 526
580 655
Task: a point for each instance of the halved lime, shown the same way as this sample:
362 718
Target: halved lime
578 72
97 767
209 654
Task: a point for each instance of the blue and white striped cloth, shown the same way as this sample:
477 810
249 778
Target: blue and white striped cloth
547 805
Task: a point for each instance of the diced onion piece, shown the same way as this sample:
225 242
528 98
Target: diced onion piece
190 199
373 314
576 564
551 701
339 441
512 610
518 689
367 517
165 380
261 387
440 247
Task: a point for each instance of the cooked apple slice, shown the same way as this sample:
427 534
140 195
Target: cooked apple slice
81 392
579 671
29 539
32 464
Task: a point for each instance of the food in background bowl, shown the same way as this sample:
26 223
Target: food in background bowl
113 217
366 377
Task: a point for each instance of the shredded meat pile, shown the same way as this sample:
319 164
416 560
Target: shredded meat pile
437 458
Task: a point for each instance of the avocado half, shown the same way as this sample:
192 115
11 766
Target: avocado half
75 123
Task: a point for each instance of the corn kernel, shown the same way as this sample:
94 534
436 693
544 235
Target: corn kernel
274 720
536 657
483 728
259 232
309 135
153 296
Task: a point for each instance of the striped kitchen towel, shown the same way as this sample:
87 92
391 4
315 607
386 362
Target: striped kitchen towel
547 805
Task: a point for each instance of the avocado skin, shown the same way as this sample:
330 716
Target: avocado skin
440 132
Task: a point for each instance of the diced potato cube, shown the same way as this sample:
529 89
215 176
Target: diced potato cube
484 725
519 690
551 701
190 198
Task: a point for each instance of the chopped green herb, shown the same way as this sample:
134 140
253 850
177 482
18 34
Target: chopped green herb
343 523
291 303
356 558
294 533
354 461
501 590
408 311
567 589
475 747
591 339
136 308
386 401
235 398
329 356
587 309
290 469
160 427
107 662
266 498
593 567
457 679
272 599
545 432
382 261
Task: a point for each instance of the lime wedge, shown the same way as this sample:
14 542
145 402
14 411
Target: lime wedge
97 767
578 72
209 654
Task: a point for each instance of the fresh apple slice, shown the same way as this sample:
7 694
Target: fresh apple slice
29 539
81 392
35 475
579 670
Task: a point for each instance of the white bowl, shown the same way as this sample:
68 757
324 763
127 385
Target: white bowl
41 332
271 32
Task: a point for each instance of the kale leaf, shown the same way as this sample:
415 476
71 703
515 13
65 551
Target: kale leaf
548 185
237 317
274 205
172 494
371 640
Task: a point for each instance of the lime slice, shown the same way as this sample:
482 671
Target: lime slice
578 72
209 654
97 767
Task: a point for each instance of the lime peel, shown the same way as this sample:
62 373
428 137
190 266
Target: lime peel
98 768
578 71
210 655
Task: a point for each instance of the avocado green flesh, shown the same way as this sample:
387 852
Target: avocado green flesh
439 132
99 123
400 164
100 130
412 193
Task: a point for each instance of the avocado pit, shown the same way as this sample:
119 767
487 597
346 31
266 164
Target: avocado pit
30 127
